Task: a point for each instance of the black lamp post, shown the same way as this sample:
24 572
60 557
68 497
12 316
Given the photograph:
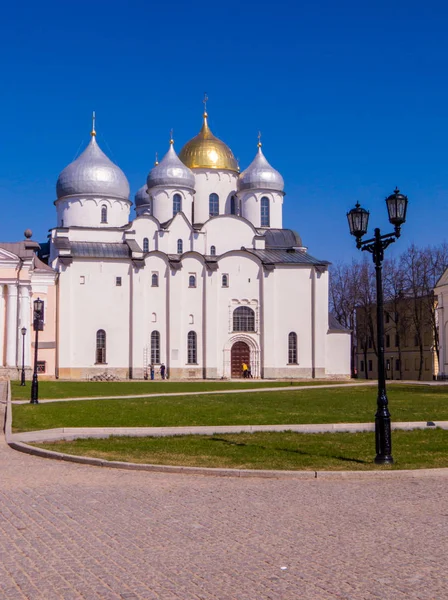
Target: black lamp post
38 325
358 220
22 380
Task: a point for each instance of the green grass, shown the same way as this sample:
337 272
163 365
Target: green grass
80 389
330 405
291 451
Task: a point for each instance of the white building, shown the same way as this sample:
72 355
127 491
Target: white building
202 279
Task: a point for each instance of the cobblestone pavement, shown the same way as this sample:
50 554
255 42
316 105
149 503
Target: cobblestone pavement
71 531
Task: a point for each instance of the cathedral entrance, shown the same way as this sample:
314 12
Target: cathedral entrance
240 353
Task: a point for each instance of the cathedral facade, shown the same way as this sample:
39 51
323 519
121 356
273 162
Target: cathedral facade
202 279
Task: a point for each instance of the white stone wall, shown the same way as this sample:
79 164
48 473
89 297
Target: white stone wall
86 211
218 182
251 207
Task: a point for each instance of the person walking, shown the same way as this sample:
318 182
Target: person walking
151 371
162 371
245 369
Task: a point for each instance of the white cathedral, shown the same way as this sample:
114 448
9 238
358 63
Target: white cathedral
204 277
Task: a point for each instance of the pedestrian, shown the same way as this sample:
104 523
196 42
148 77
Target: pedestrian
244 368
249 372
151 371
162 371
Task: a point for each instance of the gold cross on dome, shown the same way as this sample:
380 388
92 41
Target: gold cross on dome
259 139
205 102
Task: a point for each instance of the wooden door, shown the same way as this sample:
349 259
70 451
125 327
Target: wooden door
240 353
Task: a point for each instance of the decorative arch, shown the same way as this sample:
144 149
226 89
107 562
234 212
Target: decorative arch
255 354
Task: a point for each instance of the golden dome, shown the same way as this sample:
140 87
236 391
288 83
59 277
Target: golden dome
205 151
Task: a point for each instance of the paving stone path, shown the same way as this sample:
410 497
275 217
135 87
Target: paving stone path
71 531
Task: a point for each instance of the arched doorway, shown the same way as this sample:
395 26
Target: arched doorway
240 353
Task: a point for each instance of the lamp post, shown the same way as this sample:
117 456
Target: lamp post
358 219
22 380
37 324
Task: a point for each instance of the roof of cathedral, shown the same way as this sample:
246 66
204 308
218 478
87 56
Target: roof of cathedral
259 175
205 151
92 173
334 325
171 171
290 256
24 249
141 197
281 238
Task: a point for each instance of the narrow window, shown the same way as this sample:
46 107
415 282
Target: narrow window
82 279
370 365
104 214
264 212
214 205
212 250
397 339
369 343
387 317
145 245
155 348
155 280
361 366
180 246
118 281
177 204
292 348
192 281
100 347
387 341
62 223
233 205
243 319
397 364
225 280
388 364
191 319
192 348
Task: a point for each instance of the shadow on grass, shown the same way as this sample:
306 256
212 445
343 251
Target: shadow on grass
289 450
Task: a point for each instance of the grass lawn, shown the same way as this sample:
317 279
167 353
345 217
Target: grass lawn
330 405
291 451
81 389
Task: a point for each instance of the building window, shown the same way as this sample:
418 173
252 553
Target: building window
104 214
180 246
192 348
264 212
155 348
292 348
397 339
416 340
213 202
243 319
370 365
191 319
192 281
234 205
397 364
118 281
41 366
225 280
100 347
177 204
155 280
82 279
212 250
361 366
154 317
388 364
145 245
387 317
387 341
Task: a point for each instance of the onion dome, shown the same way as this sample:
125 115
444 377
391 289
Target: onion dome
259 175
92 173
170 172
205 151
141 197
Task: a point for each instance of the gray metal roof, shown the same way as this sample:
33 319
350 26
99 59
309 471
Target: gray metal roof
290 257
99 250
171 171
24 249
334 325
281 238
141 197
92 173
259 175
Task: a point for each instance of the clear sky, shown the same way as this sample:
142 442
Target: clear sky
351 98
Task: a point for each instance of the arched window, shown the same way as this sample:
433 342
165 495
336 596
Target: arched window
213 202
100 347
155 348
292 348
180 246
104 214
212 250
225 280
243 319
192 281
177 204
264 212
233 205
145 245
155 280
192 348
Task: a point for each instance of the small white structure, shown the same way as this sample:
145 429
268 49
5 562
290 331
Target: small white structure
203 279
441 293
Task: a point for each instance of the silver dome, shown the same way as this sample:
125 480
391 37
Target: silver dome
259 175
141 197
94 174
171 171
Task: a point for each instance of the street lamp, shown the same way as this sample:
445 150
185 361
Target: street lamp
22 380
38 325
358 220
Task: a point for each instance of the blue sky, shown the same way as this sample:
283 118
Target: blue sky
351 98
